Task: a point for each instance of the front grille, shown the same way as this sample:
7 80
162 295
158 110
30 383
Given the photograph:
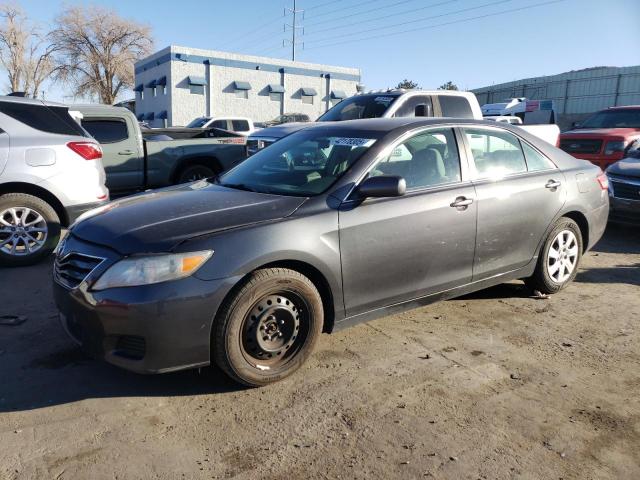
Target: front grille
71 270
626 190
581 145
131 346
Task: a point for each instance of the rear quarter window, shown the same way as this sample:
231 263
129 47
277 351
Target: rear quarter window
455 106
106 131
240 125
44 118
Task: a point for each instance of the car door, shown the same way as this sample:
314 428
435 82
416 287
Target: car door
123 158
397 249
519 192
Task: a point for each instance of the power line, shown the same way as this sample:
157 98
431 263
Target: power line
384 17
347 8
360 13
422 19
429 27
322 5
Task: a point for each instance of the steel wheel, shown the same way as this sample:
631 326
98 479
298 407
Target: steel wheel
562 257
23 231
274 329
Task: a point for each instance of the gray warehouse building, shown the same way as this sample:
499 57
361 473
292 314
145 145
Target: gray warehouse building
575 94
177 84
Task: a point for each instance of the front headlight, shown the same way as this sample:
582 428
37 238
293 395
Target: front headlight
145 270
613 147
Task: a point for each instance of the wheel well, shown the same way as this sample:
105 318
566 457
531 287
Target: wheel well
312 274
41 193
582 222
210 162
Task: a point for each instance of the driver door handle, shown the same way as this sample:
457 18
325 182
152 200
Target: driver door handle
461 203
126 152
552 184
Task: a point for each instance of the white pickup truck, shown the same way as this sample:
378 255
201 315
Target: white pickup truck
240 125
396 103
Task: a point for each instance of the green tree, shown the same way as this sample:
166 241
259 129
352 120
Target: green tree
448 86
407 84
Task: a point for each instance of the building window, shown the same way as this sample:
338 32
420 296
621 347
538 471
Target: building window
196 84
275 97
154 92
141 92
164 89
242 94
308 99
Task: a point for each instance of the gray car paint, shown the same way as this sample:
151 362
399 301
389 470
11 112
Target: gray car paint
370 257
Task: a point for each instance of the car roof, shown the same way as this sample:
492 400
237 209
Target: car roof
30 101
389 124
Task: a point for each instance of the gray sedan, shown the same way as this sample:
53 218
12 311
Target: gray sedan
332 225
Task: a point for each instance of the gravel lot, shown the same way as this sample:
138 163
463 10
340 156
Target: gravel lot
493 385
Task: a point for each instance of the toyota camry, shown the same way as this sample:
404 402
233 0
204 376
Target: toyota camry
330 226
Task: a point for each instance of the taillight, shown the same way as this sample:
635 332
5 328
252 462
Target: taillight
87 150
603 181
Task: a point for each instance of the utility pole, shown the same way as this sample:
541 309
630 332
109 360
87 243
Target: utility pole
294 28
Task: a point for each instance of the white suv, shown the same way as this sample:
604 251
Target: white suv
50 173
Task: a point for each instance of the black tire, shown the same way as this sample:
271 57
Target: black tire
195 172
19 257
542 280
238 351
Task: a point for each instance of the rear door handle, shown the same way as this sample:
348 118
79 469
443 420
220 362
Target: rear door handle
126 152
552 184
461 203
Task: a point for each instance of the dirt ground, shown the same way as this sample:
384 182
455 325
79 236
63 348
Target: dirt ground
495 385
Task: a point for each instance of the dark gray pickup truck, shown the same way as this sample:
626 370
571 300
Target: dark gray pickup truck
136 159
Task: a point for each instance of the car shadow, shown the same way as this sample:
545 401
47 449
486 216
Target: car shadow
502 291
68 375
619 239
629 274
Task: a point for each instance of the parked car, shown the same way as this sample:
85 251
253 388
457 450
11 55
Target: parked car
242 125
50 173
624 189
287 118
133 163
395 103
605 137
335 224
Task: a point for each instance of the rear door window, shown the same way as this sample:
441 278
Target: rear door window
495 153
239 125
49 119
219 124
106 131
455 106
416 106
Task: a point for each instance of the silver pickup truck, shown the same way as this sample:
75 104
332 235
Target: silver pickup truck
136 159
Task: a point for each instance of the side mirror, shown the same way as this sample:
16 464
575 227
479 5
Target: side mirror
382 186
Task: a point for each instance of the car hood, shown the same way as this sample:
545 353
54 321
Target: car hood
628 167
282 130
603 132
158 221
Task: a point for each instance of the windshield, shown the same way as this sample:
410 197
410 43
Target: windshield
198 122
360 106
614 119
305 163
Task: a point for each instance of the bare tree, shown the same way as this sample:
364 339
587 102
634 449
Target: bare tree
96 50
24 53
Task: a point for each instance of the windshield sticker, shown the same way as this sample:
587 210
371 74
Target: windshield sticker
383 99
352 142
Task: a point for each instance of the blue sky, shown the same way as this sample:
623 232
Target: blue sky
431 47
